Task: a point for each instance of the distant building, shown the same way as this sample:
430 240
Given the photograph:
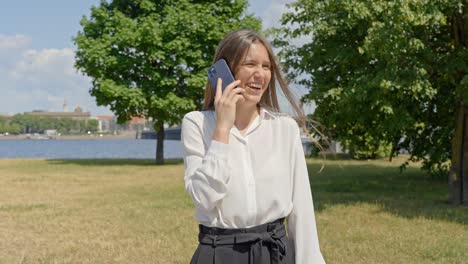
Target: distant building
65 106
78 114
137 124
106 124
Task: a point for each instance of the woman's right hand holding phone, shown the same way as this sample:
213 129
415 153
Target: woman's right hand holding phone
225 108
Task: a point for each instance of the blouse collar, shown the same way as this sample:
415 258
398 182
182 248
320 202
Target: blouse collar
266 114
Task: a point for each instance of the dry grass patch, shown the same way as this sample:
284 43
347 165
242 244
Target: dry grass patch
367 212
94 212
131 211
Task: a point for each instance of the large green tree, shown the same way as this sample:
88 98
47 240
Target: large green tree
384 73
149 58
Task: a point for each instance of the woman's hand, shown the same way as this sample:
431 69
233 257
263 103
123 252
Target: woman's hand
225 108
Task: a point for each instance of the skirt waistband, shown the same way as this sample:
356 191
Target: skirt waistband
270 235
232 231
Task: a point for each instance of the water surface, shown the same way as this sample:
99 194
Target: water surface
87 149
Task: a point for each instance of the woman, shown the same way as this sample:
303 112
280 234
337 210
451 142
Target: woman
245 168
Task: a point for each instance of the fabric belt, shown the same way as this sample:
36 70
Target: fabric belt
270 235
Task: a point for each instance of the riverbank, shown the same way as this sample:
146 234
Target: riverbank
123 135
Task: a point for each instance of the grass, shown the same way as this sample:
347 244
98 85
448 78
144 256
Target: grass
369 213
131 211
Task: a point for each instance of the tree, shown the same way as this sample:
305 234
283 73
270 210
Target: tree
149 58
3 120
92 126
384 72
24 122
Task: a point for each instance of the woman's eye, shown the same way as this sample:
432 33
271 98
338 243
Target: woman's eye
252 64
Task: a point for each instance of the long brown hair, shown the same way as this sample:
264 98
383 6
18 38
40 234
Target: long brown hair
233 48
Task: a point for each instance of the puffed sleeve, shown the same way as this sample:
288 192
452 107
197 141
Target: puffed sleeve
301 221
206 172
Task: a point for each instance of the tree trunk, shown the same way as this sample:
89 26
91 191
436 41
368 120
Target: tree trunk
160 134
458 177
464 158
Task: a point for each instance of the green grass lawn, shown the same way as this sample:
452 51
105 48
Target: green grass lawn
131 211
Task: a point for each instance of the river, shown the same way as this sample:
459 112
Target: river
87 149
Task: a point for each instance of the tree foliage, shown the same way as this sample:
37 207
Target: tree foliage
382 73
149 58
24 123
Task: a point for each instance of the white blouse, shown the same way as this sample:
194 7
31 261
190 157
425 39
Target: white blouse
255 179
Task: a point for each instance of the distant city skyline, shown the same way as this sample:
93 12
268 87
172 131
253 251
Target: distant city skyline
37 54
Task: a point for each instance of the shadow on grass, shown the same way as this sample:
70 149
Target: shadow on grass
411 194
114 162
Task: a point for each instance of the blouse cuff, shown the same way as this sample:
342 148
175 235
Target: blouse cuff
218 150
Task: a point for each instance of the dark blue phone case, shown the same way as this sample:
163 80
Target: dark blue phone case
220 70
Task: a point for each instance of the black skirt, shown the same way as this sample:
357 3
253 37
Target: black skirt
263 244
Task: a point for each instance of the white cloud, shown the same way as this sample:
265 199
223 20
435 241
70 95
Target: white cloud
8 43
272 14
50 63
271 17
269 11
43 79
11 48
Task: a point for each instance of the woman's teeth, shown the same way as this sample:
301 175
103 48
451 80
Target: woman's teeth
255 86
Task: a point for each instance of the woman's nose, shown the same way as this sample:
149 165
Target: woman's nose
259 72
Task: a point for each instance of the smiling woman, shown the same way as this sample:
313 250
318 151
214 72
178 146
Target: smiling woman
255 72
245 168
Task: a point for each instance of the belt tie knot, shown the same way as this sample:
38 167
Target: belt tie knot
257 243
273 240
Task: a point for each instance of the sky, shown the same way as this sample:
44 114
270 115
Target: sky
37 53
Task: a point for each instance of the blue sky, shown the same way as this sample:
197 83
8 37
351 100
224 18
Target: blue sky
37 53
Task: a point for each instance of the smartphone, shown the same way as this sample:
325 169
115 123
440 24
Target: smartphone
220 70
